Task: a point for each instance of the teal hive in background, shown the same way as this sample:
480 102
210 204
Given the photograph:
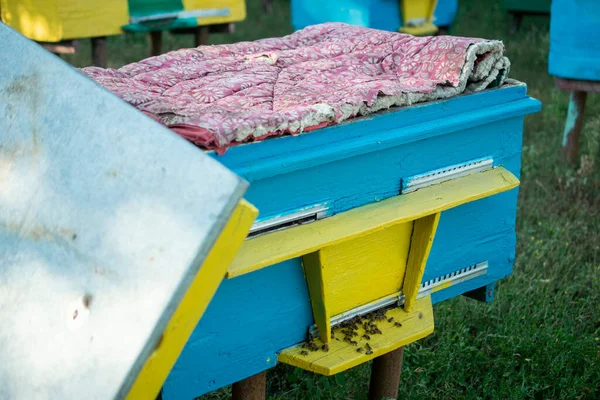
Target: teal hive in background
575 39
378 14
574 60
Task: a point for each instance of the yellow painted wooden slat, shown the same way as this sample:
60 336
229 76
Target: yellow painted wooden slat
237 10
317 288
282 245
342 355
194 303
420 246
56 20
364 269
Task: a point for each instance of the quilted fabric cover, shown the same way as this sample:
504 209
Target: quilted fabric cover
219 96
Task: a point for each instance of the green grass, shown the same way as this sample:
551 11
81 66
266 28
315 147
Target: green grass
540 338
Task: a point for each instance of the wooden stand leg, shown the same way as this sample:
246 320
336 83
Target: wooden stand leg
201 36
252 388
385 375
268 5
99 57
155 43
516 20
573 126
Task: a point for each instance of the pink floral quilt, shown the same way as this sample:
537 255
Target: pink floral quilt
219 96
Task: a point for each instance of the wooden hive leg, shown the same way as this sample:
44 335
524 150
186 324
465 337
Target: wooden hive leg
251 388
155 43
99 53
573 126
268 5
516 20
385 375
201 36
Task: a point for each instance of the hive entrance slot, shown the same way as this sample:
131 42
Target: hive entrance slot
301 217
434 177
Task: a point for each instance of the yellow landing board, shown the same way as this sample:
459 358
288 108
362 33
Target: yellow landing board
343 355
283 245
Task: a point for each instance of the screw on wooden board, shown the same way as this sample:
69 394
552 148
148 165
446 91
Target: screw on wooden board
251 388
385 375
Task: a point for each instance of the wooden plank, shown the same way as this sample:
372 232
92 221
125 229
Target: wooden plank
385 375
99 52
576 85
343 355
275 247
313 269
193 305
420 247
365 268
63 47
573 127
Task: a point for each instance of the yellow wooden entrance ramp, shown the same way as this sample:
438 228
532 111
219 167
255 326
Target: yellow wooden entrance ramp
360 261
398 328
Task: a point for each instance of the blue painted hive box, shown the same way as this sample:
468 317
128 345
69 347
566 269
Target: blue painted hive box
456 161
574 44
377 14
384 168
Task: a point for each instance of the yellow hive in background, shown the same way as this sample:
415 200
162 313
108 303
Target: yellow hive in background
237 10
56 20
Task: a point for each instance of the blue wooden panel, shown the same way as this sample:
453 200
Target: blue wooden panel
255 316
575 39
377 14
353 182
248 320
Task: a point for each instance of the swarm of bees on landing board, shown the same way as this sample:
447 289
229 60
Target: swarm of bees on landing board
348 331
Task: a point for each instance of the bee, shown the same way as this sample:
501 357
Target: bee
391 319
369 352
325 347
360 350
365 336
420 315
304 352
397 324
368 346
354 342
347 339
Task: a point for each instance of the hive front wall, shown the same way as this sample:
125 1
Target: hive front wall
256 315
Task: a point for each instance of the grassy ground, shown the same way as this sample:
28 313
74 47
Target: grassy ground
540 338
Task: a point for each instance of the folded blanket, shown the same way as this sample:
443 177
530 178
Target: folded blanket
219 96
